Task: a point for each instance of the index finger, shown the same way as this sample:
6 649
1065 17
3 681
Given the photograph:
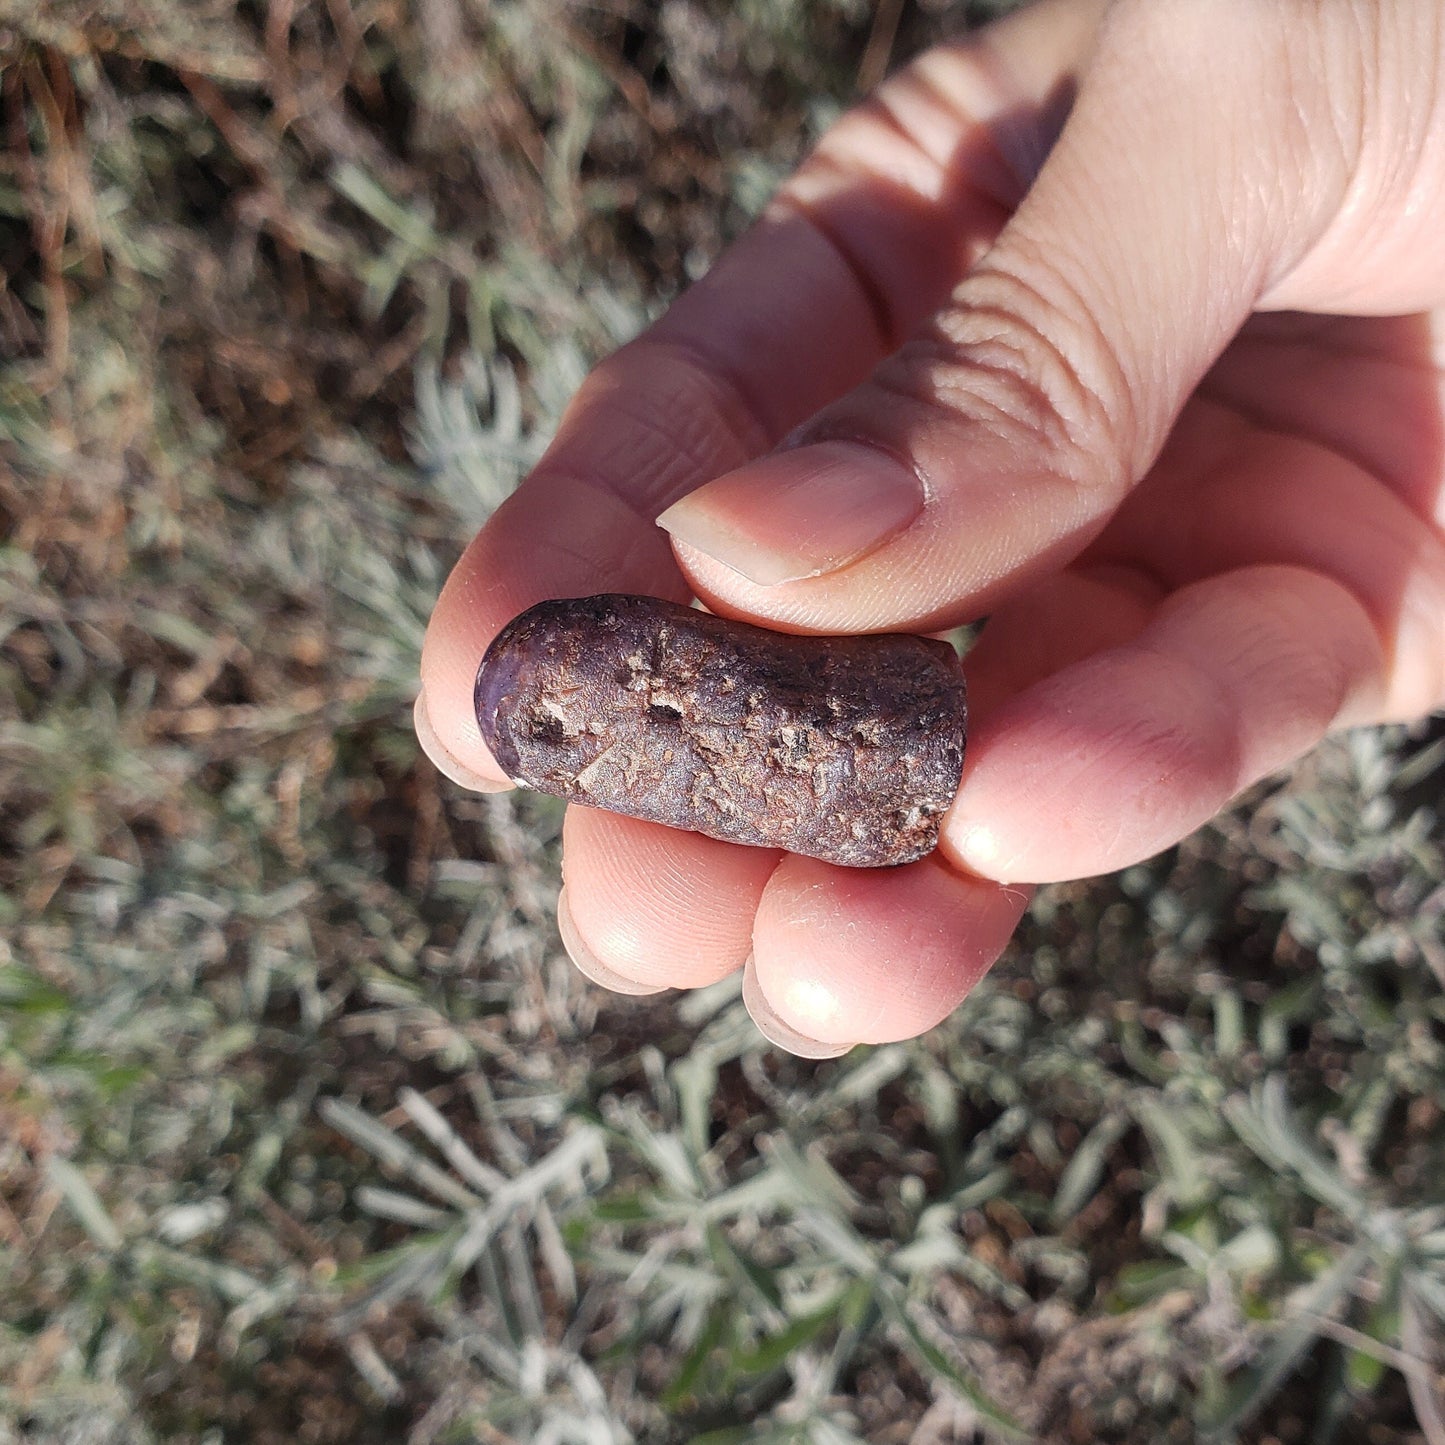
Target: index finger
865 240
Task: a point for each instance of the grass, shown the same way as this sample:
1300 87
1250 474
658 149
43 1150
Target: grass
310 1132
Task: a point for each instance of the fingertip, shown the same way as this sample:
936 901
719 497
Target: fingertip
587 962
772 1027
977 847
443 759
656 906
846 955
1095 768
555 537
1118 756
463 622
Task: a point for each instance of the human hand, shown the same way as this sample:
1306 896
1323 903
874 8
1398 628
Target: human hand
1162 397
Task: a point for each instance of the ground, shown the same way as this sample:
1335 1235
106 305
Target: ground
310 1131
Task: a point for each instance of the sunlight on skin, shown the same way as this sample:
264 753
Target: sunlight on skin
1268 565
863 955
660 907
813 1003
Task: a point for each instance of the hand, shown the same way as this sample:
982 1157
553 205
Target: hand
1109 323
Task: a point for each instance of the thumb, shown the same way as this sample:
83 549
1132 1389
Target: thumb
997 441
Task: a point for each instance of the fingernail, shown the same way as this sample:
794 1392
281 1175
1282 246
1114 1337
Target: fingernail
799 513
442 759
587 961
775 1031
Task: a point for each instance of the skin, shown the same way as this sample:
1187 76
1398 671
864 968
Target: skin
1116 324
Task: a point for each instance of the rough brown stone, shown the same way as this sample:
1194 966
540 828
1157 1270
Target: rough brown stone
841 748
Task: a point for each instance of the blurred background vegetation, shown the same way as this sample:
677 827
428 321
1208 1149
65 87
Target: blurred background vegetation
308 1131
